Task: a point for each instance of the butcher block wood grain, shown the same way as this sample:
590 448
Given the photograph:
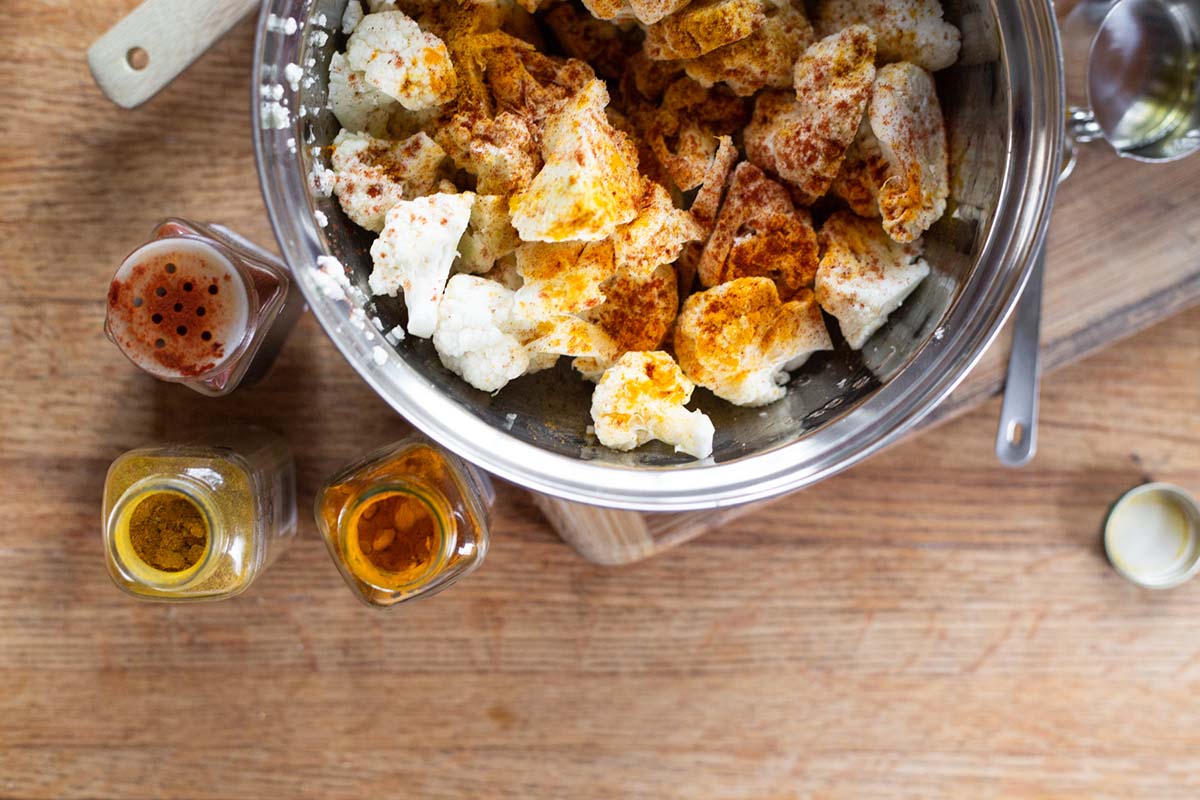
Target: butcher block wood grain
928 625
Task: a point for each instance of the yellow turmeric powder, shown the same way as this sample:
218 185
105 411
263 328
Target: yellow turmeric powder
168 532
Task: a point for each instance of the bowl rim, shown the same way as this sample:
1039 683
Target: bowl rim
1035 93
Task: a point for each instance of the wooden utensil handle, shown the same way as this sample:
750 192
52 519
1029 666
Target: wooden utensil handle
157 41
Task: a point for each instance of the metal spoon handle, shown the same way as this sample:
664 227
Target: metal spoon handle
1016 439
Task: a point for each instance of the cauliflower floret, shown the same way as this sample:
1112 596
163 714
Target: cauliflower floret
804 139
472 336
534 85
759 233
637 314
415 251
501 153
865 275
567 336
506 273
490 235
702 27
739 340
402 61
606 48
358 105
351 16
612 10
907 121
765 58
863 172
590 182
704 210
905 30
656 235
372 175
562 278
642 397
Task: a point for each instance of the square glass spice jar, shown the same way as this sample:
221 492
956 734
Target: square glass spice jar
202 306
407 521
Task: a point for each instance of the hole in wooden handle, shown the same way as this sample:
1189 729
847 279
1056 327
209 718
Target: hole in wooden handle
137 58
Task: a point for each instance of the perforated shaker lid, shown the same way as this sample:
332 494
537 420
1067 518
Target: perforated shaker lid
178 308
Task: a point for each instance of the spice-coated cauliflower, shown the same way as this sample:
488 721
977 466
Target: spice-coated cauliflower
907 120
642 397
905 30
589 184
372 175
358 105
702 27
473 336
404 62
865 275
738 340
637 314
415 252
562 278
656 235
501 152
863 172
764 58
759 233
804 139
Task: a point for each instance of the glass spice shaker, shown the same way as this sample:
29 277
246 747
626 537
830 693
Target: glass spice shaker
202 306
199 520
406 521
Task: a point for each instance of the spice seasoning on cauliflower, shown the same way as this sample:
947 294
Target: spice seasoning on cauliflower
372 175
760 233
865 275
907 120
764 58
863 172
415 252
642 397
804 139
738 340
562 278
656 235
702 27
905 30
402 61
637 314
589 184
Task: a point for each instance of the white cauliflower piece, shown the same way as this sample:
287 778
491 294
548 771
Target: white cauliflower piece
490 235
739 340
612 10
372 175
907 120
905 30
402 61
864 275
642 397
415 252
501 152
804 139
656 235
589 184
567 336
358 105
473 337
352 16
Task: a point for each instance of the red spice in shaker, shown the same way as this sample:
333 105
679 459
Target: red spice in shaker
201 306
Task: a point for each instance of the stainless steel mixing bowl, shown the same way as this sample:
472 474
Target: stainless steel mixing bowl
1005 110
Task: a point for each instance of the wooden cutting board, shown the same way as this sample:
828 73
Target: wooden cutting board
1124 254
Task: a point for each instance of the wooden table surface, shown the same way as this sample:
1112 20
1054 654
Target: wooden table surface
928 625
